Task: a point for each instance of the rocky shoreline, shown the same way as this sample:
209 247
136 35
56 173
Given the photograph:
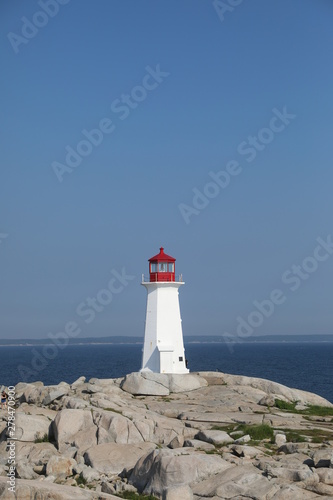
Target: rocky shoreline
172 437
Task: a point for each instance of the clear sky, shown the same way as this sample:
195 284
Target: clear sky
181 92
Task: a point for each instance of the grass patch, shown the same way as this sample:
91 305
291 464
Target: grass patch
44 439
319 411
295 437
299 436
258 432
80 481
129 495
284 405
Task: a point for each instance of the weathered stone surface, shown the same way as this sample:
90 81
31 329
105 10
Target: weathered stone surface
246 451
31 427
197 443
74 403
35 453
325 476
24 470
275 389
243 439
280 439
176 442
215 437
183 492
78 382
160 384
268 400
236 482
185 383
114 428
56 394
89 474
292 492
146 383
70 424
294 448
60 466
323 457
99 413
162 469
44 490
112 458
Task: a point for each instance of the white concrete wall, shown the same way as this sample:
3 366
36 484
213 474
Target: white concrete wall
163 343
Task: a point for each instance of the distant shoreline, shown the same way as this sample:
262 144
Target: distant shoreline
42 342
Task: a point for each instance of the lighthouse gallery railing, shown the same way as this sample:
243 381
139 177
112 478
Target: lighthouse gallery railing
153 279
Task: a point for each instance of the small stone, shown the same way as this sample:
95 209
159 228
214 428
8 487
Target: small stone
243 439
176 442
267 401
215 437
280 439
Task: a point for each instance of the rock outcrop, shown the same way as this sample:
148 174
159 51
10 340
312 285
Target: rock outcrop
185 437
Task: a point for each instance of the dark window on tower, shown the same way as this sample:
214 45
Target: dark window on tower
180 358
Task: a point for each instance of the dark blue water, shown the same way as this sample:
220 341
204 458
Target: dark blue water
307 366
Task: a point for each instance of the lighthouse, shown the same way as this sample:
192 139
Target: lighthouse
163 350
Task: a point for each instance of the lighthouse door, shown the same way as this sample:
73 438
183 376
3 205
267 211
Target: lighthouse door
166 359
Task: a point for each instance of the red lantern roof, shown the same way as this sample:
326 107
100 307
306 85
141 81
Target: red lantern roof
162 256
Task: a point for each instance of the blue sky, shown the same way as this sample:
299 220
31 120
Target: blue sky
218 78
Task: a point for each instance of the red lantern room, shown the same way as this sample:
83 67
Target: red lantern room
162 267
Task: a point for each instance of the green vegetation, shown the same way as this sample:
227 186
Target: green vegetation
129 495
81 481
44 439
264 431
320 411
305 435
284 405
258 432
295 437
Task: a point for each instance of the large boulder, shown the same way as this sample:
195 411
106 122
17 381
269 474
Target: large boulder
215 437
114 428
54 394
146 383
74 425
164 468
112 458
237 482
60 466
323 457
161 384
31 427
35 453
185 383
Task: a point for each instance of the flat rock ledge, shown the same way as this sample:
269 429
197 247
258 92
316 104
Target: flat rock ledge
174 437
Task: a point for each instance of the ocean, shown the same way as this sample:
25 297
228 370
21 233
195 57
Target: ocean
302 365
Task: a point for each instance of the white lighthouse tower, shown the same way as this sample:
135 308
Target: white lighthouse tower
163 350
